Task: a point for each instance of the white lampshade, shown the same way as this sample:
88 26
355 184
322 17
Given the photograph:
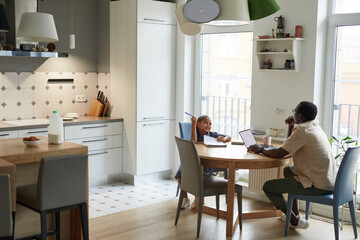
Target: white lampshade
37 27
233 12
186 27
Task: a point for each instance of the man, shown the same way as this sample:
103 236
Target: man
314 169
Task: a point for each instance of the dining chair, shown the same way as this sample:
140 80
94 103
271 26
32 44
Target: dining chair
6 217
185 133
61 185
193 182
343 192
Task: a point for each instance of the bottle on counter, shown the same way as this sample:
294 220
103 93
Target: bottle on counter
56 129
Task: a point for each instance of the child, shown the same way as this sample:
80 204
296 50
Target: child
199 128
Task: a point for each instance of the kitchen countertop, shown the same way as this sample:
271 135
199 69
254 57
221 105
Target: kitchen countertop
42 123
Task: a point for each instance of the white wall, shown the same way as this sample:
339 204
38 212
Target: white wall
271 90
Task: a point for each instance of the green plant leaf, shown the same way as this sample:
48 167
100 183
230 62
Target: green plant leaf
350 141
347 138
337 156
335 138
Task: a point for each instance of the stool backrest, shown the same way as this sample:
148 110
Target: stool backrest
6 222
191 171
343 190
62 181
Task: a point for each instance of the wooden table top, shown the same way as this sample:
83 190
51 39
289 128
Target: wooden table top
16 152
218 156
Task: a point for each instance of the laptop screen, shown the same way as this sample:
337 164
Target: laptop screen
247 137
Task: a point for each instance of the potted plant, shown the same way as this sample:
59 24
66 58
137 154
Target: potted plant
342 145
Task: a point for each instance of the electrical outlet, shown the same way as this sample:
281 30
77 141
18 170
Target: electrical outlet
80 98
280 111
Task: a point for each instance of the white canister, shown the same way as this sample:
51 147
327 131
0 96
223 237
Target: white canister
55 129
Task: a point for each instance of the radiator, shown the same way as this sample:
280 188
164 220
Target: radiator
257 178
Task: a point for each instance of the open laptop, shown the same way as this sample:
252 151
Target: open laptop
248 138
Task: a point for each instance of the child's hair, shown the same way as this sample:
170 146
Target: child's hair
202 117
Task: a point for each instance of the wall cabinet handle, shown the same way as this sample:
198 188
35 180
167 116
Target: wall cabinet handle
153 118
42 131
96 140
149 124
154 20
101 153
95 127
5 134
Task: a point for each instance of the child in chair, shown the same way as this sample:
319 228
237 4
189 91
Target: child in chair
199 128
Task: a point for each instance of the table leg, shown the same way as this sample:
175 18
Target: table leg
230 201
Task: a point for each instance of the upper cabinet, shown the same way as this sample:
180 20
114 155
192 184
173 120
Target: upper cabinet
272 54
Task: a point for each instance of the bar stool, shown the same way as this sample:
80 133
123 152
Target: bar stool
6 217
61 185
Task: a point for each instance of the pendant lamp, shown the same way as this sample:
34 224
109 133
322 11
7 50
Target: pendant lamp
4 25
262 8
37 27
232 13
186 27
201 11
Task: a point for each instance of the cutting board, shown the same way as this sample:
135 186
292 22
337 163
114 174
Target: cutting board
96 108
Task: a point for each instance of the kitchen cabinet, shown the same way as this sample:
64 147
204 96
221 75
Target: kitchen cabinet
142 75
33 132
9 134
104 143
274 49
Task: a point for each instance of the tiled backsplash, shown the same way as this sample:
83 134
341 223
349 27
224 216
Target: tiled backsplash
28 95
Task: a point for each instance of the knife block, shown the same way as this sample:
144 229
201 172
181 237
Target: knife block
96 108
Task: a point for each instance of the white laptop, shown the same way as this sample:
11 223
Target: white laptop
248 138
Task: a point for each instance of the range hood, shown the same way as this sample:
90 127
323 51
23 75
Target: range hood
14 10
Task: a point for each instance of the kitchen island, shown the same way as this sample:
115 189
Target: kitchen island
26 161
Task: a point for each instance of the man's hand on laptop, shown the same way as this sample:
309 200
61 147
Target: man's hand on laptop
255 148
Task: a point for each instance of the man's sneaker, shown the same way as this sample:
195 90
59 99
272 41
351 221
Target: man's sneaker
302 224
193 205
185 203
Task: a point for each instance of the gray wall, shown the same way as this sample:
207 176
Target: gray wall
84 58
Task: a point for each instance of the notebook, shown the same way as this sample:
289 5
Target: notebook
211 142
248 138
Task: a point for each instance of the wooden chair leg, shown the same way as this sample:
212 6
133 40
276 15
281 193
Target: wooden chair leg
43 225
84 221
217 205
179 206
57 225
201 203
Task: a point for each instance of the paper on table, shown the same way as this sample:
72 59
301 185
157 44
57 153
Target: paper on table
211 142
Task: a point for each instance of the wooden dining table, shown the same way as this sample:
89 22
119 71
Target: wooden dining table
235 157
21 163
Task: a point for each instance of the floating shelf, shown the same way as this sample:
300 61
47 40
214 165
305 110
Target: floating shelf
277 55
33 54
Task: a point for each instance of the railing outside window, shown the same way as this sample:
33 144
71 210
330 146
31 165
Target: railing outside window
229 115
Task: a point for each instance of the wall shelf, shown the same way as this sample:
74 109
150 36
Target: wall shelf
275 51
33 54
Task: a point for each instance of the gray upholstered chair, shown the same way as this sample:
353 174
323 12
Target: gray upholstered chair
6 217
61 185
192 181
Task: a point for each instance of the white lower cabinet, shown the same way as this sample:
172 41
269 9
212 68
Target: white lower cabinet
104 143
9 134
33 132
153 140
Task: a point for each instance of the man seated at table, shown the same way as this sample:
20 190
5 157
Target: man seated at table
314 169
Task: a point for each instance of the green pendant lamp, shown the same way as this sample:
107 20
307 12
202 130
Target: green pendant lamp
262 8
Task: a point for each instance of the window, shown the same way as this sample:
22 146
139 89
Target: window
347 6
225 80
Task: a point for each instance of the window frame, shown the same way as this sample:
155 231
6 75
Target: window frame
198 40
333 21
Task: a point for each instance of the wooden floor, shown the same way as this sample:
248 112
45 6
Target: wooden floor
157 222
